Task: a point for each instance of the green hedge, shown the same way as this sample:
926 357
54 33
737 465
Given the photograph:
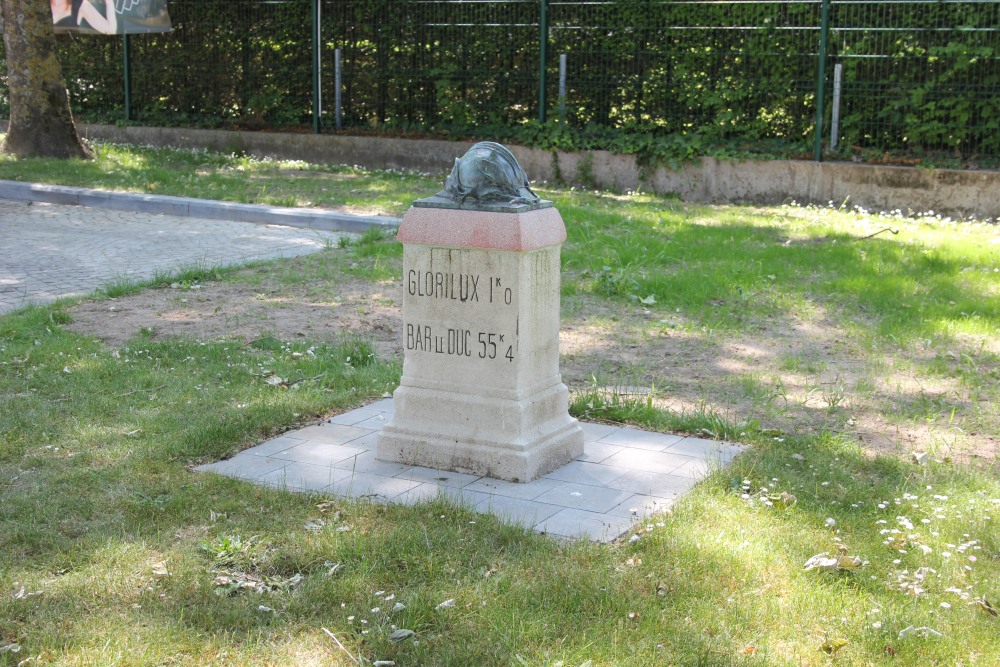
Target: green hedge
668 80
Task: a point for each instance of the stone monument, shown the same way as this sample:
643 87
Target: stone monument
481 390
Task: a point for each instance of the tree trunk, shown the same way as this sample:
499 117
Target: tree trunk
41 124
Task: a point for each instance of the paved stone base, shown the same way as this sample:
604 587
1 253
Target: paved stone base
624 475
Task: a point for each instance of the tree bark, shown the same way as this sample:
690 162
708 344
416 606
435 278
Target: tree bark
41 123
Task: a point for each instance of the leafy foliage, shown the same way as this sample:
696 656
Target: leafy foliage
668 81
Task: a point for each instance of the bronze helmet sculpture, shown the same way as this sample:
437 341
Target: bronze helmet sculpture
488 172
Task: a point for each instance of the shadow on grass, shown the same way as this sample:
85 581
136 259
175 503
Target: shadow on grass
724 271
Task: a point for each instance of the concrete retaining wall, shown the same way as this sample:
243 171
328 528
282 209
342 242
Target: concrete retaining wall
949 192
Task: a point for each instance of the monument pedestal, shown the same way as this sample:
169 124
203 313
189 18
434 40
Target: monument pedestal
481 391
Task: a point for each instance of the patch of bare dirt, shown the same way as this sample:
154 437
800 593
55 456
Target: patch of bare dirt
794 376
241 311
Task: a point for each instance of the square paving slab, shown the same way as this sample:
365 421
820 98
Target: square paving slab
623 476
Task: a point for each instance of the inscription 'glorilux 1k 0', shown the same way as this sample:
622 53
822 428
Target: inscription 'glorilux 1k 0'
481 390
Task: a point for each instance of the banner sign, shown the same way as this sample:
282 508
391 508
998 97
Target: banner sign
110 17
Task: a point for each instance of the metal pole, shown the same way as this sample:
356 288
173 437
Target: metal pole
838 71
317 63
127 67
337 117
562 86
543 48
824 34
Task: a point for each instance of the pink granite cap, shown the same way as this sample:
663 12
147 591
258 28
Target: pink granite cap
455 228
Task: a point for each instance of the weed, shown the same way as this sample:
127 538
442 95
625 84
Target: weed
121 286
232 551
616 282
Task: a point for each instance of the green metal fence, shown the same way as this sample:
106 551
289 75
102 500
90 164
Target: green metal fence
909 78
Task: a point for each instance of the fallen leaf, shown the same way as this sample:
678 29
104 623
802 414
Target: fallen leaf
846 562
781 500
923 631
446 604
401 635
919 457
160 570
231 583
749 649
984 604
24 595
314 525
328 505
634 561
821 561
275 381
648 301
829 563
10 648
831 646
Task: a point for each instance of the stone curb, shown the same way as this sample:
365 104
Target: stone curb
329 221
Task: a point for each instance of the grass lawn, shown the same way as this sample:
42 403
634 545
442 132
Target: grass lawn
112 552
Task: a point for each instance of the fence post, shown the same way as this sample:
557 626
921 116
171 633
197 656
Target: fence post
127 71
838 75
317 108
824 34
543 48
562 87
338 113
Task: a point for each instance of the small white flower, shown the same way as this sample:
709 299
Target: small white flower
830 522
